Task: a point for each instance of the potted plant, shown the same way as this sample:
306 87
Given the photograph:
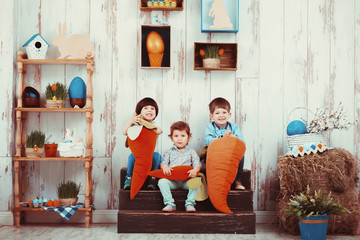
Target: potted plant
68 193
211 55
35 144
56 95
313 211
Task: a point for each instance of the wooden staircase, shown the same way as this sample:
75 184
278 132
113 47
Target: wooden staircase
143 214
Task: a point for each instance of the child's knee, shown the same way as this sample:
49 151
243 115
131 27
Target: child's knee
163 182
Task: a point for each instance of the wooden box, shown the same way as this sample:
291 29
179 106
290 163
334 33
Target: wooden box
164 32
179 6
228 61
220 16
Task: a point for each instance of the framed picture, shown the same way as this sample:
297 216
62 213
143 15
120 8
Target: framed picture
219 15
155 46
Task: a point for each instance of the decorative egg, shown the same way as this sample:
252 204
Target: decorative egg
154 43
296 127
77 88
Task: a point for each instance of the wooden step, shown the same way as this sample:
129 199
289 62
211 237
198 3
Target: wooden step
147 221
153 200
246 179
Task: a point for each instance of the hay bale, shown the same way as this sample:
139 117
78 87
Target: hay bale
333 170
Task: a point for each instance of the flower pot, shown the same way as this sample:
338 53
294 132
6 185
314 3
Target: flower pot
314 227
211 63
67 201
50 149
30 152
56 104
81 102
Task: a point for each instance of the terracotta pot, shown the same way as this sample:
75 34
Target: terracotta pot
68 201
30 152
50 149
211 63
81 102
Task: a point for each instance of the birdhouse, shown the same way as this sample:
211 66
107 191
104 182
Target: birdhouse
36 47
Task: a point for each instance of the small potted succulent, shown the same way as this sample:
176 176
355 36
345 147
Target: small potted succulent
211 55
68 193
56 95
35 144
313 211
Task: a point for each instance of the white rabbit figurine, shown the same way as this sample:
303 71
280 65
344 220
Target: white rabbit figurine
74 47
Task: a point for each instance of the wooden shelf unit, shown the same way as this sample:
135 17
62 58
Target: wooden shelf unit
228 61
179 6
21 113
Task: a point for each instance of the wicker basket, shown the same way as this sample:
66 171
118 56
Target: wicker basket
306 138
56 104
71 149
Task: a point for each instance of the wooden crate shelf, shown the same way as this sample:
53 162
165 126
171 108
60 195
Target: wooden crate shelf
228 61
164 31
23 109
179 6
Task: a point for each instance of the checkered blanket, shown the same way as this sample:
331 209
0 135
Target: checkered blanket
67 211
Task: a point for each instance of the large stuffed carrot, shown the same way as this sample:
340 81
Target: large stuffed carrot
142 147
223 157
178 173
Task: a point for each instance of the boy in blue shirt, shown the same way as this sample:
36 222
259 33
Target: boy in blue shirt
221 127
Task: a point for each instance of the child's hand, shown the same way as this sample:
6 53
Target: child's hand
167 170
135 119
227 133
192 173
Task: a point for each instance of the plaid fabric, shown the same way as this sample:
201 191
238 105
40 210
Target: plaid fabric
67 211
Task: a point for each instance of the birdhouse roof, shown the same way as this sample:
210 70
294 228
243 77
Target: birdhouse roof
33 37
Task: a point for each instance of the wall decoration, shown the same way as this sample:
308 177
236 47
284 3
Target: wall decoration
219 15
36 47
74 47
155 46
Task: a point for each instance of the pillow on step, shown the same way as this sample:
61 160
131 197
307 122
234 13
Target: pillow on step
179 173
143 148
223 158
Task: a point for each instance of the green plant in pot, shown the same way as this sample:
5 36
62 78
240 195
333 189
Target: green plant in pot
313 211
211 55
35 144
68 193
56 95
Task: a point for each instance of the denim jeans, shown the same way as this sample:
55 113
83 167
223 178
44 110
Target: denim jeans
131 161
165 185
240 170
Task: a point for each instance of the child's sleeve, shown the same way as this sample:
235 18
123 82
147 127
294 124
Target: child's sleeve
195 158
209 134
238 133
166 158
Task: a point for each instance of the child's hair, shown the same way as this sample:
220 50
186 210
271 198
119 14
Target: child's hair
219 103
180 126
145 102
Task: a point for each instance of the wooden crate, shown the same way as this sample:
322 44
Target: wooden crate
164 32
228 61
179 6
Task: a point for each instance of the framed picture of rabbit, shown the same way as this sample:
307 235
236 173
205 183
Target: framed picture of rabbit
220 15
74 47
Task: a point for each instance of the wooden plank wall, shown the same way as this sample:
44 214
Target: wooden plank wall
290 53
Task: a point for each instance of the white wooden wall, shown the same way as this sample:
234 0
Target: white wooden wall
290 53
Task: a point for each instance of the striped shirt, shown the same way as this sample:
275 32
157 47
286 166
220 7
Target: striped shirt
173 157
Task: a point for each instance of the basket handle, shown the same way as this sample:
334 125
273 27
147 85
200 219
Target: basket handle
297 108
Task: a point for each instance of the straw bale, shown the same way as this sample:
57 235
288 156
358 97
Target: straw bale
333 170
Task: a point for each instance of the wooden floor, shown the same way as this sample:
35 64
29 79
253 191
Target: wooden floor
109 231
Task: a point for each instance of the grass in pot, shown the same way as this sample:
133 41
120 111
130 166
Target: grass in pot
56 95
35 144
68 193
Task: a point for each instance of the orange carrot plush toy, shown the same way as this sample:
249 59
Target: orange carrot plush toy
179 173
143 148
223 157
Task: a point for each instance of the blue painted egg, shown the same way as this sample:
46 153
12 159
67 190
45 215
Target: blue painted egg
77 88
296 127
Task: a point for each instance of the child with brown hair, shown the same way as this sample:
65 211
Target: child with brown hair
220 126
178 155
146 110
